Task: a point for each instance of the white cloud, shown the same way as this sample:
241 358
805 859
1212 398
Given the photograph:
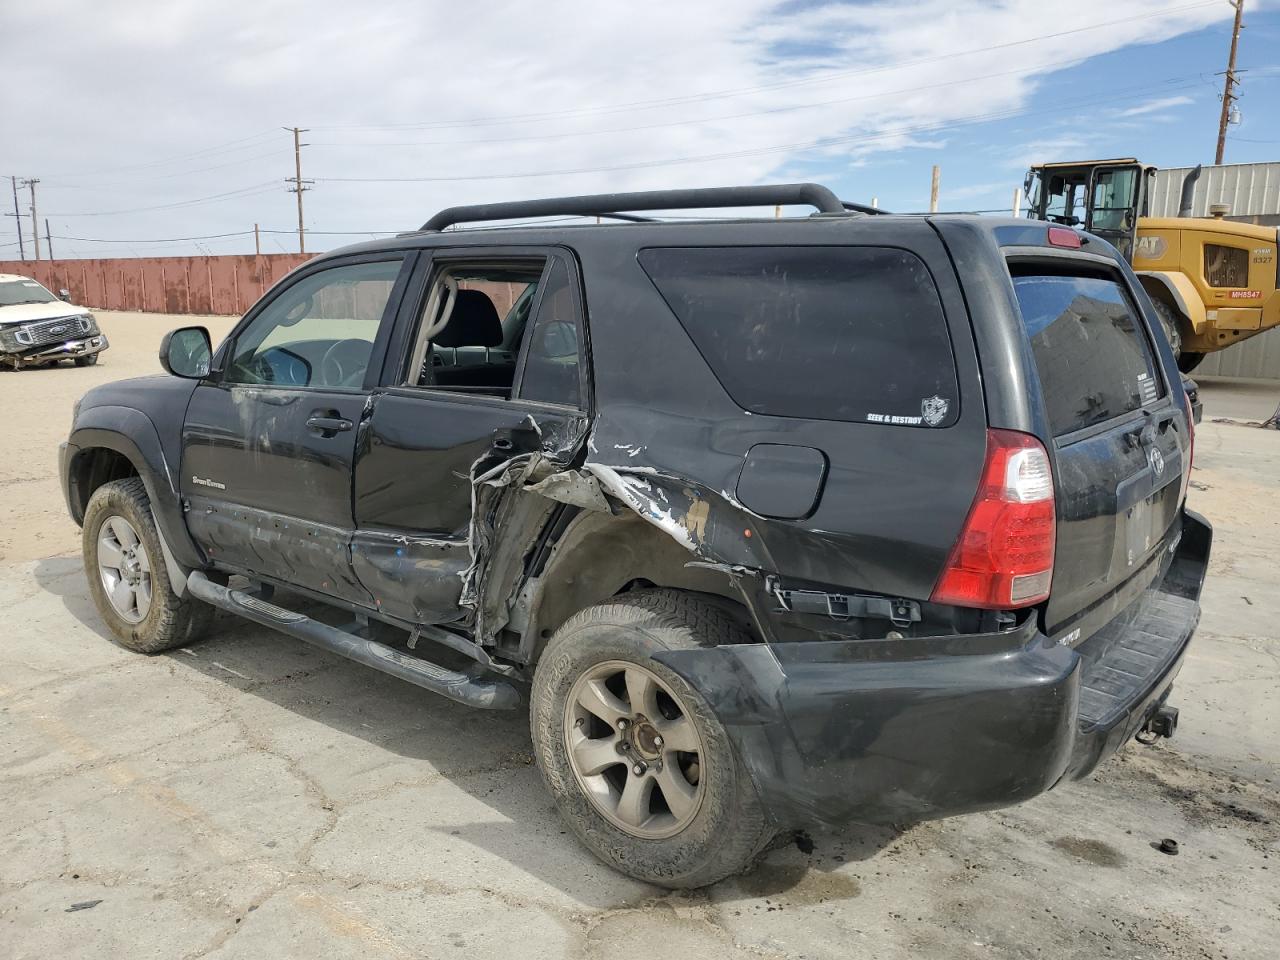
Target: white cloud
107 94
1158 105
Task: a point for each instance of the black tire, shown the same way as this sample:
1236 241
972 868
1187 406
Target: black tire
729 828
87 361
1169 322
171 621
1189 361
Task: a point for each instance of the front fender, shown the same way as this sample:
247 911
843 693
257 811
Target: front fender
132 434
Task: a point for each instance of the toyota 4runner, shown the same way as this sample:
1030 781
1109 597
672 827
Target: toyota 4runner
771 521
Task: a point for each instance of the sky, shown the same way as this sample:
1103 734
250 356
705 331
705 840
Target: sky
148 123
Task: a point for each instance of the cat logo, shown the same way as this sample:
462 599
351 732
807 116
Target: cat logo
1150 248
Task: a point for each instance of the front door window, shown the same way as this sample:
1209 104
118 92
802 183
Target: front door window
317 333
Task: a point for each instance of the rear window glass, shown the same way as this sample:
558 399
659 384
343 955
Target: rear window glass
828 333
1093 356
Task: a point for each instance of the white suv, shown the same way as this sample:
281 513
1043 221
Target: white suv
38 329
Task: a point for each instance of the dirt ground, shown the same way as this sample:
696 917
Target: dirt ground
253 797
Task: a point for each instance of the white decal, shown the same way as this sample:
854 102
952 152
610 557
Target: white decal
933 410
202 482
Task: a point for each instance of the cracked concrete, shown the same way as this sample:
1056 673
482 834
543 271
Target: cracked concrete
250 796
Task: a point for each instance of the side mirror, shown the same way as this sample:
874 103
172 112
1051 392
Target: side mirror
64 294
186 352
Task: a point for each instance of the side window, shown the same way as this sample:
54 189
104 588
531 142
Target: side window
1091 352
826 333
319 332
485 323
553 348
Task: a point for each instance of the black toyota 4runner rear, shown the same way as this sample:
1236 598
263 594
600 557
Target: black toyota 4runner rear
851 516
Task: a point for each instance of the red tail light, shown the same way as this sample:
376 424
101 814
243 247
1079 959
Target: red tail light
1004 555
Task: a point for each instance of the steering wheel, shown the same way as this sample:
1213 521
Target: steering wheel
344 363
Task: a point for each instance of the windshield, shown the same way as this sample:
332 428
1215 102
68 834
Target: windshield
23 291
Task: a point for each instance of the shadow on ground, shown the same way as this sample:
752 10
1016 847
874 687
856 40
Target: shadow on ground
396 717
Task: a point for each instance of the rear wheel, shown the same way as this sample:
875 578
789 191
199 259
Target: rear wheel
641 769
127 575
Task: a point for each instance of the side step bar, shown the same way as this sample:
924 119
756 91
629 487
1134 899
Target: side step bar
487 693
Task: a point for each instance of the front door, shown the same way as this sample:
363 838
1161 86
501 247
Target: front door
269 440
492 365
1113 205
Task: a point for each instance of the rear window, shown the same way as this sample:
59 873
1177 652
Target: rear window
1091 350
828 333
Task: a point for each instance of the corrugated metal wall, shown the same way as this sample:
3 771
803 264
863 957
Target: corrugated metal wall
1252 190
1257 357
212 285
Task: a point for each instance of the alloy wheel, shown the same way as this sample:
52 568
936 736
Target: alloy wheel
635 749
125 569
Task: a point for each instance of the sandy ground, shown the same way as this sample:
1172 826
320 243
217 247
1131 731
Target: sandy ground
253 797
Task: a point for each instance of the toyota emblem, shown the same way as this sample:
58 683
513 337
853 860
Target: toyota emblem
1156 459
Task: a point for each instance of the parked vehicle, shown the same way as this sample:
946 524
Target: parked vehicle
38 329
1213 281
773 522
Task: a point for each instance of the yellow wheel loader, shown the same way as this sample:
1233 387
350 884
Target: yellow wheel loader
1213 280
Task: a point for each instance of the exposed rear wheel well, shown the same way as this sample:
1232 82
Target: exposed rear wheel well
601 556
92 468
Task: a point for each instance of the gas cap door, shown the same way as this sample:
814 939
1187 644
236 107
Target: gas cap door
782 481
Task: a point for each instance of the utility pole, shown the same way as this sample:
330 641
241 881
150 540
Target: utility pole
48 238
933 190
17 218
35 223
299 185
257 242
1228 97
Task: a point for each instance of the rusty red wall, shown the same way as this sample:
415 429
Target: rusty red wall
227 285
221 285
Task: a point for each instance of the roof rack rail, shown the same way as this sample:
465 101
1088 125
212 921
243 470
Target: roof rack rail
603 204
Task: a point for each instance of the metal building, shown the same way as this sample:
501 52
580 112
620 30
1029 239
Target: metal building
1252 190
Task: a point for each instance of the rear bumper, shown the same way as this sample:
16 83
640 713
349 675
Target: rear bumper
914 729
67 350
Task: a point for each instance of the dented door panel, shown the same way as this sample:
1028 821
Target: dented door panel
415 477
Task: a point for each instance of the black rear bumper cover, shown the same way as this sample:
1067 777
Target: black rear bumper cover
915 729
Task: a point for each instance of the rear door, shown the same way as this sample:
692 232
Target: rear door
1119 433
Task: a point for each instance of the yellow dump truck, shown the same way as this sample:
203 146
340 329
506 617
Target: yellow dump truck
1213 281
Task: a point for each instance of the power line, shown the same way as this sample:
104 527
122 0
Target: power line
1073 61
239 193
736 154
782 84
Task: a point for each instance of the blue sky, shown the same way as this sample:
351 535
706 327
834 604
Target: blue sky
159 122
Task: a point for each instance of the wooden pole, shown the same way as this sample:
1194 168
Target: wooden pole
1229 84
257 242
1017 202
933 190
48 238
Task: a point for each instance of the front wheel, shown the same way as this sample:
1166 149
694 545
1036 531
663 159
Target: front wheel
87 361
1172 330
1188 361
640 767
127 575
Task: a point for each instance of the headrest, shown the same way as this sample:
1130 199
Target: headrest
473 323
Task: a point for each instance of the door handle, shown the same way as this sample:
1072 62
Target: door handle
328 426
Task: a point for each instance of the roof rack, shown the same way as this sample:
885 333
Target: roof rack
606 204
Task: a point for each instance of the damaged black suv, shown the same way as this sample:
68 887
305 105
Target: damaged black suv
772 521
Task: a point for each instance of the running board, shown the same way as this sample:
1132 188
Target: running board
487 693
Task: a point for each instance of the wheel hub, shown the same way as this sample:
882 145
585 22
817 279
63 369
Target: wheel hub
646 739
